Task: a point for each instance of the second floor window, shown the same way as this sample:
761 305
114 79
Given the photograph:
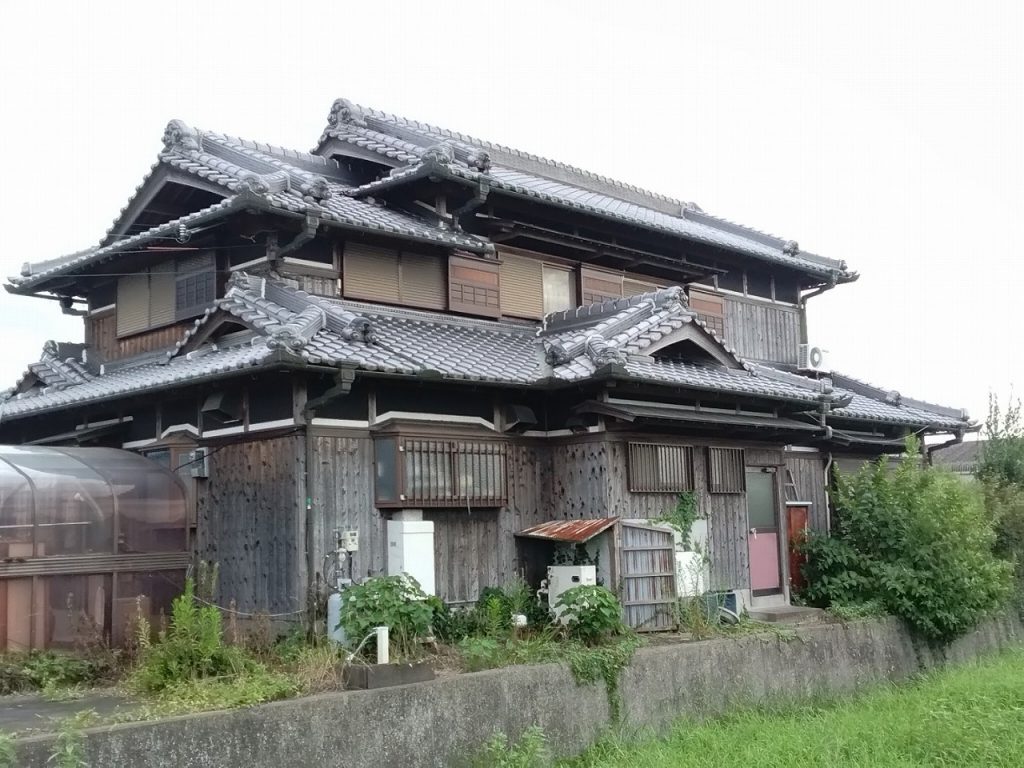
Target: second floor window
710 308
558 288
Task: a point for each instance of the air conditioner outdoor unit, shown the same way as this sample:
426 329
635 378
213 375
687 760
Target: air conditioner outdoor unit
814 358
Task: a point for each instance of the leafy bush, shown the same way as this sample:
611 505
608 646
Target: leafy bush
489 653
7 753
1001 472
856 611
450 625
592 613
46 670
396 602
916 541
530 751
191 648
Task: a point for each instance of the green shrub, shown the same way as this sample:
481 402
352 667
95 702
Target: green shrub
7 753
191 648
450 625
592 613
396 602
1001 472
531 751
916 541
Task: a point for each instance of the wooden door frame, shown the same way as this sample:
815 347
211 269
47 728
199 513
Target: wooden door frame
782 533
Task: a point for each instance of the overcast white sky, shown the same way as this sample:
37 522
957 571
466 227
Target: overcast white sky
890 135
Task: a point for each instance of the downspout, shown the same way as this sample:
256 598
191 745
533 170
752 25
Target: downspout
802 303
308 232
479 198
958 437
343 385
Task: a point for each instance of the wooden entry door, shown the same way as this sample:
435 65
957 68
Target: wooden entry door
763 533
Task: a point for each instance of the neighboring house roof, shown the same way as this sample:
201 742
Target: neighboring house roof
961 457
421 150
253 176
651 337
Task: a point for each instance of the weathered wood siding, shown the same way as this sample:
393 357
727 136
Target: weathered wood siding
101 333
762 331
581 479
341 492
808 472
149 341
251 521
466 552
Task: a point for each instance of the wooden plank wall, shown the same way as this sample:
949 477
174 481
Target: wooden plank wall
580 480
762 331
341 491
466 552
251 521
808 471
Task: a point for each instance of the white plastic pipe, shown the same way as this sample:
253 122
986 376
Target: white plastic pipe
383 641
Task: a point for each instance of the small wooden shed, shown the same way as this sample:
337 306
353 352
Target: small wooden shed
634 559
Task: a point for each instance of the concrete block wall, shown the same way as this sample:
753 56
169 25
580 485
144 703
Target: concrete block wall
443 722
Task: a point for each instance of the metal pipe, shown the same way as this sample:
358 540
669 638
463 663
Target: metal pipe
309 228
478 199
956 440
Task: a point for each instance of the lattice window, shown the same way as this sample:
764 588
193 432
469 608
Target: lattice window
726 470
660 468
710 309
474 286
415 472
195 287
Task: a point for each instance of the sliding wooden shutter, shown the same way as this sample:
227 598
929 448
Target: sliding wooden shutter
631 287
421 280
132 304
522 286
371 273
599 286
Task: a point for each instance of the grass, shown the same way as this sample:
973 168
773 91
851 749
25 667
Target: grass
970 716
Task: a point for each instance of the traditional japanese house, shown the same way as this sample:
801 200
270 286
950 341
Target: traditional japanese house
409 322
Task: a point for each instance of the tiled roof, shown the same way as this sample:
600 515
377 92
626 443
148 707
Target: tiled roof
523 174
138 379
255 175
652 337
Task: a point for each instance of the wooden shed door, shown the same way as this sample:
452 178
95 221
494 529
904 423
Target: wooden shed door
647 570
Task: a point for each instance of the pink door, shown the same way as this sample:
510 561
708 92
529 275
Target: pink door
763 535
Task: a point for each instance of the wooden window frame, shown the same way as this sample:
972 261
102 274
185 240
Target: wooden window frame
598 286
474 286
660 468
202 278
709 308
446 459
726 470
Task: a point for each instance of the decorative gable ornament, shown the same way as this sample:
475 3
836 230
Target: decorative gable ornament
439 154
344 111
480 160
180 135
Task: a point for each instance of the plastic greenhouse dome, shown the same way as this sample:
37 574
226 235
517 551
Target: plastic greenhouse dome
90 539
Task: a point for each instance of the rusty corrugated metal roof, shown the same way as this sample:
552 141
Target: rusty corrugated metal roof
576 531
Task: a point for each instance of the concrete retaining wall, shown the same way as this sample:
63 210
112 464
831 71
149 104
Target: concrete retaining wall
442 723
